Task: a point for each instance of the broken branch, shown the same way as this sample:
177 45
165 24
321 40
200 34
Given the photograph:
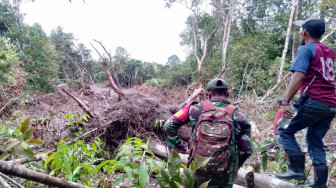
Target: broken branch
81 103
275 87
10 179
7 104
4 183
23 172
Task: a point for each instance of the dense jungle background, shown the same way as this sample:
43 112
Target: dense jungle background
98 122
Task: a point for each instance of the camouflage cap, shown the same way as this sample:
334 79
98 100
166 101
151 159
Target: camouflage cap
217 83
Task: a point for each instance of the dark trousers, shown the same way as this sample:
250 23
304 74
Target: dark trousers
315 116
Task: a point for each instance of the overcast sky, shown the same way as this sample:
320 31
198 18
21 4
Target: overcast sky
145 28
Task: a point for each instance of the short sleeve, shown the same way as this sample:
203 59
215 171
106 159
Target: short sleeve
303 58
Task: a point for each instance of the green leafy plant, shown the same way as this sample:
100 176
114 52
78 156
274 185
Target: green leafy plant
262 149
176 175
77 121
75 161
19 140
135 160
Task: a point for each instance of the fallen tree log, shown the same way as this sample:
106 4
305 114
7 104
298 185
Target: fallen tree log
264 180
260 180
23 172
81 103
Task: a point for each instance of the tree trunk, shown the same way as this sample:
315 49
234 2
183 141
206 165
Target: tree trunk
207 38
296 29
23 172
81 103
113 85
264 180
111 61
227 20
287 41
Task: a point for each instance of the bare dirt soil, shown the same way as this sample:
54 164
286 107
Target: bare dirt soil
135 116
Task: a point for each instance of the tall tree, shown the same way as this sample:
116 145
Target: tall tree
172 60
201 28
224 9
284 53
296 29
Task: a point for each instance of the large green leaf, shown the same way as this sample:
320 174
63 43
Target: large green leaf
27 152
143 174
28 134
165 181
24 145
128 170
51 157
24 126
264 160
115 167
35 142
119 179
76 170
94 147
153 165
277 155
204 185
187 178
199 163
174 165
112 162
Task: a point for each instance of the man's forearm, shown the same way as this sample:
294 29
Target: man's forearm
294 85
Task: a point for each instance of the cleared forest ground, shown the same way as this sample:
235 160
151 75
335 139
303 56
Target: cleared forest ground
141 115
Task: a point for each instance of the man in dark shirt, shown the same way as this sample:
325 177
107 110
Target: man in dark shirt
218 94
314 60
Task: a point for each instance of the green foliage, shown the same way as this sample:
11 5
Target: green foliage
154 82
261 147
135 159
251 57
38 55
8 59
8 17
76 161
18 141
175 177
77 122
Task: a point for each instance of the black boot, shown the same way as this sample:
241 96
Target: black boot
296 167
320 177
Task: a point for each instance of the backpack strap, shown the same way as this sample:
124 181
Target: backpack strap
230 109
207 106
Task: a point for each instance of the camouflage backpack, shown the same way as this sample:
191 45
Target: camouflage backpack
212 135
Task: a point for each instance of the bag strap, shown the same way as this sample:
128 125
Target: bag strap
230 109
207 106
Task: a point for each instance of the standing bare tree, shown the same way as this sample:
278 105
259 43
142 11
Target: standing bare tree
224 9
287 41
116 89
200 37
296 29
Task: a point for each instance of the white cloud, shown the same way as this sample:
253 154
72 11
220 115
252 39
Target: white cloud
148 30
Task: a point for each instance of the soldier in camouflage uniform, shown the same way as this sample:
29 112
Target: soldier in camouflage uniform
240 146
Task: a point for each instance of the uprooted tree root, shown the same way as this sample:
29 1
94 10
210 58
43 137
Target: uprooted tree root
135 117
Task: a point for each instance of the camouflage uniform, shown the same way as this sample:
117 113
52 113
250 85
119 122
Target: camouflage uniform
240 150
